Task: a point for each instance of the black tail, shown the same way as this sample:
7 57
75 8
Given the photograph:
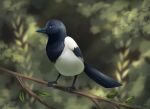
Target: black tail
100 78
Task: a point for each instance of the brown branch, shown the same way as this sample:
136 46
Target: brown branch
31 93
96 103
91 96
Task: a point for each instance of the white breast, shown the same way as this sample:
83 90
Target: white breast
68 64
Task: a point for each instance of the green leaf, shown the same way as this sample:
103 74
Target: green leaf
21 29
22 96
42 93
125 63
118 76
125 73
24 39
26 47
18 20
13 25
112 94
129 99
119 66
128 42
18 42
126 53
17 34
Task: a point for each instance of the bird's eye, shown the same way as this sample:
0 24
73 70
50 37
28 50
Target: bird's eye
50 27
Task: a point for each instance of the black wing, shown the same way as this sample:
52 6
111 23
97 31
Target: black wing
77 52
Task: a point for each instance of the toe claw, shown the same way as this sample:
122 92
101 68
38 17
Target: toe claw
73 87
51 83
69 89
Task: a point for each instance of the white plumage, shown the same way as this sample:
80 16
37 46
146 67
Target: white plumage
68 64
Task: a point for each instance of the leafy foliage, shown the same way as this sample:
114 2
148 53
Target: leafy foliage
21 96
117 41
129 99
42 93
112 94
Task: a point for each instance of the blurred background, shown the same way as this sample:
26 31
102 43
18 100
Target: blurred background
114 36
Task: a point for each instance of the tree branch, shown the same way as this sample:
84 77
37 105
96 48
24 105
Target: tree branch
31 93
91 96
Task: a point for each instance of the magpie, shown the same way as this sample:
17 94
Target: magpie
63 51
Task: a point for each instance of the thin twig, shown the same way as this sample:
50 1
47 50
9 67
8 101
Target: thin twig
96 103
77 92
31 93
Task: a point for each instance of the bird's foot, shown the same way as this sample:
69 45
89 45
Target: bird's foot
70 89
51 83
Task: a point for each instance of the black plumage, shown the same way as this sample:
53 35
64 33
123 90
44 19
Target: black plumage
67 56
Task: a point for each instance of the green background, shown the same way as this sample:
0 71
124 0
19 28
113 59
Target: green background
114 36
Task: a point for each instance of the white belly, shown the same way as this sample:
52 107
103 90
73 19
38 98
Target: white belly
68 64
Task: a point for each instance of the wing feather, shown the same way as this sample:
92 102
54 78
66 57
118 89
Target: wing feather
72 45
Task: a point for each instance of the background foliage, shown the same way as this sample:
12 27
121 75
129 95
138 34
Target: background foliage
113 35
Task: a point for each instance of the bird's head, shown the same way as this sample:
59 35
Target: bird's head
53 28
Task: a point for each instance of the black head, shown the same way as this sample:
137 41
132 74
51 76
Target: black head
53 28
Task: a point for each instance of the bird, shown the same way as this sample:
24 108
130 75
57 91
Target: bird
65 54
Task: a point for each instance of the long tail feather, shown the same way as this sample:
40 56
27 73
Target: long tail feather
100 78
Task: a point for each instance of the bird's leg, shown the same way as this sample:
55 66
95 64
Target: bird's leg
73 84
54 82
58 77
74 81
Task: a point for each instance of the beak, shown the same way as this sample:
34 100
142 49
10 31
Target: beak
42 30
